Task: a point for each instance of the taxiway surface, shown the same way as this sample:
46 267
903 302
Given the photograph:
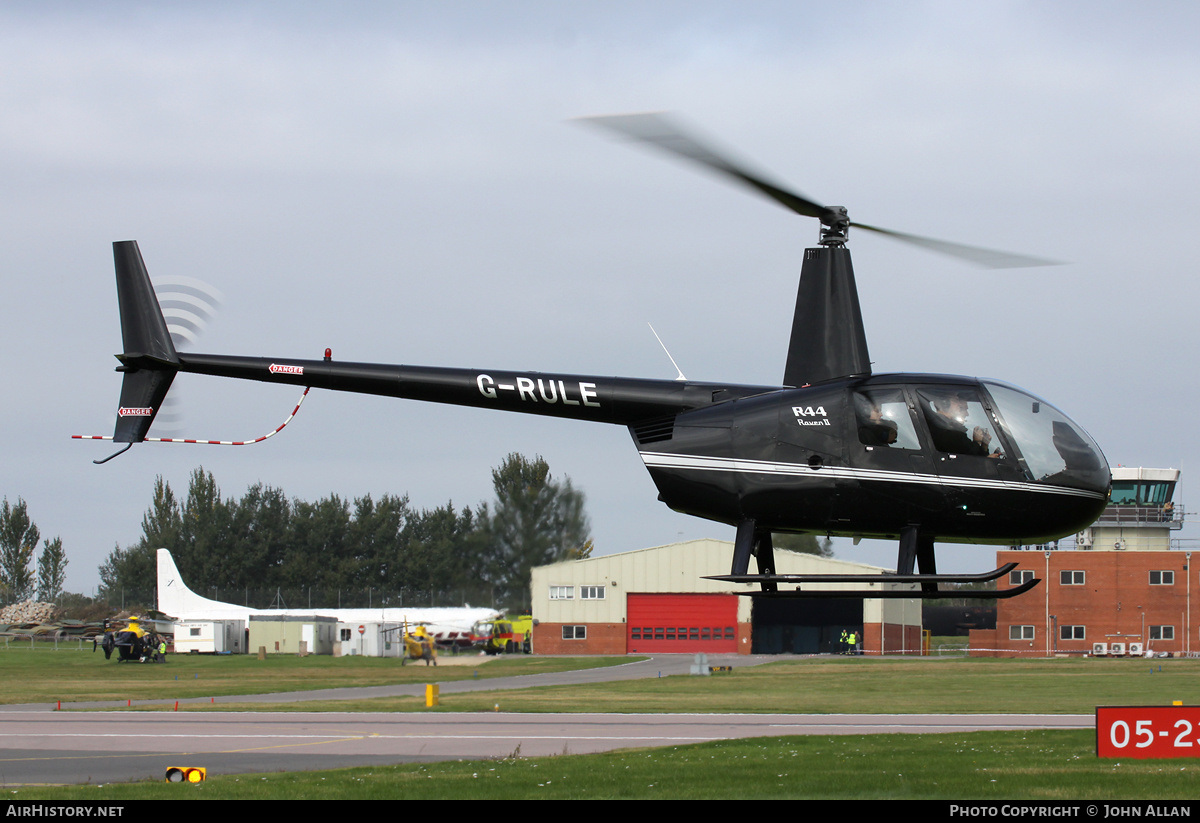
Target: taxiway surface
40 746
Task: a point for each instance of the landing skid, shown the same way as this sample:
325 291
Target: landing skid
916 550
868 578
770 583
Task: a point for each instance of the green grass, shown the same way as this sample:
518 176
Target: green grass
47 676
837 686
1044 765
1041 765
816 685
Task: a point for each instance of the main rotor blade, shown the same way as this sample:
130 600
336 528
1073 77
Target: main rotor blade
985 258
658 130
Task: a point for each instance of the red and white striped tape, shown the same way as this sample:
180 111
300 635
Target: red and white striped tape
276 431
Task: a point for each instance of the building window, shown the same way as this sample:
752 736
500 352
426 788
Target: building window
591 592
574 632
1071 578
562 592
1162 632
1020 632
1020 576
344 634
1071 633
1166 578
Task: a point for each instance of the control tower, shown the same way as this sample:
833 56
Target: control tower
1120 592
1141 513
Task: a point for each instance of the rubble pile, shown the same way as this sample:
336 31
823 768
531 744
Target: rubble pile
27 612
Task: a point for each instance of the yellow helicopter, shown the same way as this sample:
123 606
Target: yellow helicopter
131 641
419 645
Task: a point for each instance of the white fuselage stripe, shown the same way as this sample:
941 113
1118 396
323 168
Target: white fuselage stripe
659 460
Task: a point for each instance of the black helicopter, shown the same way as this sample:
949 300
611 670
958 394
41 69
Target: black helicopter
833 450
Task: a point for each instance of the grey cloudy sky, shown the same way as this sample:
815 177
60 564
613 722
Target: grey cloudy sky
397 181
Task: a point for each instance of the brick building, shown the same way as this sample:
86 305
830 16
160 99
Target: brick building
1121 591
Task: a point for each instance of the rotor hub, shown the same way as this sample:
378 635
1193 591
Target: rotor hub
835 226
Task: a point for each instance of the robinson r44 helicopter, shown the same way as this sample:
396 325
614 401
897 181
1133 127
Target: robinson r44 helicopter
834 449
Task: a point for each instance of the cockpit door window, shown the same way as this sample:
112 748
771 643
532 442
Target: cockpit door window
959 424
883 420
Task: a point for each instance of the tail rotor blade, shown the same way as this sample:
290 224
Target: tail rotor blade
188 306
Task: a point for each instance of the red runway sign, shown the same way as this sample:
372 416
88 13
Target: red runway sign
1148 731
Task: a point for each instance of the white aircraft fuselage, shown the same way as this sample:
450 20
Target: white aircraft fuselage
447 625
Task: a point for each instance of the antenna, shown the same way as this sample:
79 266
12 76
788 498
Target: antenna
664 348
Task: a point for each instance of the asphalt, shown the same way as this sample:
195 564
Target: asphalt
42 746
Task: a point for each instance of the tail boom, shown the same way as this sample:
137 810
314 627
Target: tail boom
150 362
616 400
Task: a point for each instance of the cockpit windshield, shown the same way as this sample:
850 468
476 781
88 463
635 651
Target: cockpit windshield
1052 448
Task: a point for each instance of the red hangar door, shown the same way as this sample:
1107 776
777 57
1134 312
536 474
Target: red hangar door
681 623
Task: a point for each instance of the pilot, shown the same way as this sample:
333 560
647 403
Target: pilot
948 427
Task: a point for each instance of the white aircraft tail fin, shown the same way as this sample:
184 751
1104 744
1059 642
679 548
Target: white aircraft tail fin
175 598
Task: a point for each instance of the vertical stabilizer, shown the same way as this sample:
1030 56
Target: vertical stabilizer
177 600
149 357
143 329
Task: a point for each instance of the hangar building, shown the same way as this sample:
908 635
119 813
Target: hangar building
656 600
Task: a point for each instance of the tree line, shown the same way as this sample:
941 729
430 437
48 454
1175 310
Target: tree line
19 537
265 549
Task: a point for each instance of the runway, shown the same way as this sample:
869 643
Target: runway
39 746
101 747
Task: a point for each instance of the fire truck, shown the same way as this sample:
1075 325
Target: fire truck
507 635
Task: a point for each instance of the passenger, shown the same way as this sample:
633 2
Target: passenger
876 431
873 428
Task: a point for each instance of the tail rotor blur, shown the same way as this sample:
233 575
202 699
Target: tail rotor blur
188 306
